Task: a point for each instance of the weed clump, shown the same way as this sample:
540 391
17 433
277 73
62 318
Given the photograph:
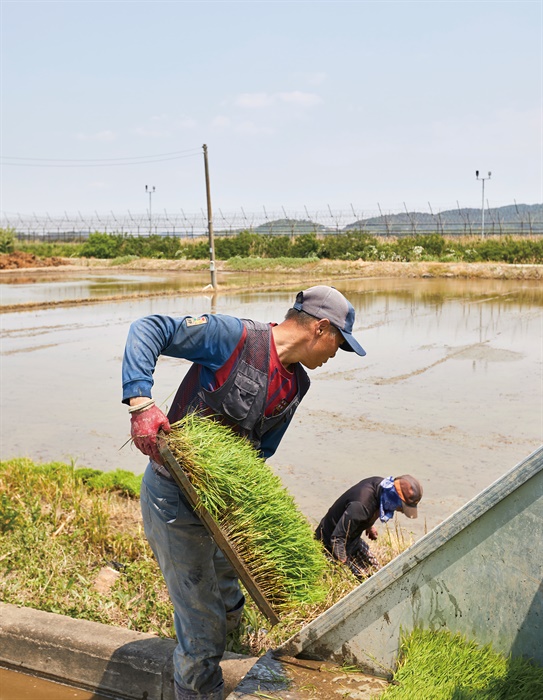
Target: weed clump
120 480
59 526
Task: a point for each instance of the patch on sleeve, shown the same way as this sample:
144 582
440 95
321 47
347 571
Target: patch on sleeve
196 320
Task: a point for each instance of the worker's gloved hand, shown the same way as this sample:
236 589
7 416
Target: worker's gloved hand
361 560
144 429
371 533
363 556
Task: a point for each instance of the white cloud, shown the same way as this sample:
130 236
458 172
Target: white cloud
220 122
304 99
259 100
243 127
163 125
315 78
105 135
248 127
185 123
150 133
507 130
254 100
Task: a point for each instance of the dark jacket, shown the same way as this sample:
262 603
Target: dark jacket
354 511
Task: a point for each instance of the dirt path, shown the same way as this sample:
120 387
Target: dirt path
345 268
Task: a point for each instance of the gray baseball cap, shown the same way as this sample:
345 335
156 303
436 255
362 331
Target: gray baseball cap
326 302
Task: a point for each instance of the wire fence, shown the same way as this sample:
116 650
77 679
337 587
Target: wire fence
509 220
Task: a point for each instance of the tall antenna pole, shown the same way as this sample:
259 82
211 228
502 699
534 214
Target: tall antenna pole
210 224
151 191
483 200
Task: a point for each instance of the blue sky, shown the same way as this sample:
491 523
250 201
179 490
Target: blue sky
309 104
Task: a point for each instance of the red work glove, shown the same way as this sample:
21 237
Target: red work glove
144 429
371 533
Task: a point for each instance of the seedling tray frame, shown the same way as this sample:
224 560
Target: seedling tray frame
216 533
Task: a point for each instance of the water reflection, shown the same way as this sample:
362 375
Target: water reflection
84 285
54 286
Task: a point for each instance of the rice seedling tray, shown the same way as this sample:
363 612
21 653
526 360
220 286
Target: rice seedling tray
216 533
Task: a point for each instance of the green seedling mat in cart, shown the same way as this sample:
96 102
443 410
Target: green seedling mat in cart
214 529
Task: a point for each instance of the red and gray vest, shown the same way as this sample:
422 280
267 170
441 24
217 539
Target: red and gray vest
240 402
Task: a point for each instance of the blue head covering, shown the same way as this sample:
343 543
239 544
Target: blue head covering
390 499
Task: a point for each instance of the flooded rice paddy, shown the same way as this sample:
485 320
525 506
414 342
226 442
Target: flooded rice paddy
55 286
450 390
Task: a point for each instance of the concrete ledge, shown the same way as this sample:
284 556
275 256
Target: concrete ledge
95 656
86 654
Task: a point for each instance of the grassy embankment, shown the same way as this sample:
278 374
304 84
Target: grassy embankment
62 528
347 246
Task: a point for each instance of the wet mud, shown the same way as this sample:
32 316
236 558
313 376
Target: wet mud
450 389
305 679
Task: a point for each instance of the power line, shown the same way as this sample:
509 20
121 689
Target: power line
92 165
97 162
86 160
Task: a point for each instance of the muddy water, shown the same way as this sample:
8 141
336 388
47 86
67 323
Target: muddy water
450 389
18 686
56 285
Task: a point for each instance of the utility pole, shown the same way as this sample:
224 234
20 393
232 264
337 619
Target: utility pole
151 191
483 200
210 224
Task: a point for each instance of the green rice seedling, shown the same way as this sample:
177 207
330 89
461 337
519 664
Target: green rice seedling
445 666
254 510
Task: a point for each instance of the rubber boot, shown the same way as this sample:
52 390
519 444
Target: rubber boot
233 617
184 694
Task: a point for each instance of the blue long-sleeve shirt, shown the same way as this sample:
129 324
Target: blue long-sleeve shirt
208 340
209 344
